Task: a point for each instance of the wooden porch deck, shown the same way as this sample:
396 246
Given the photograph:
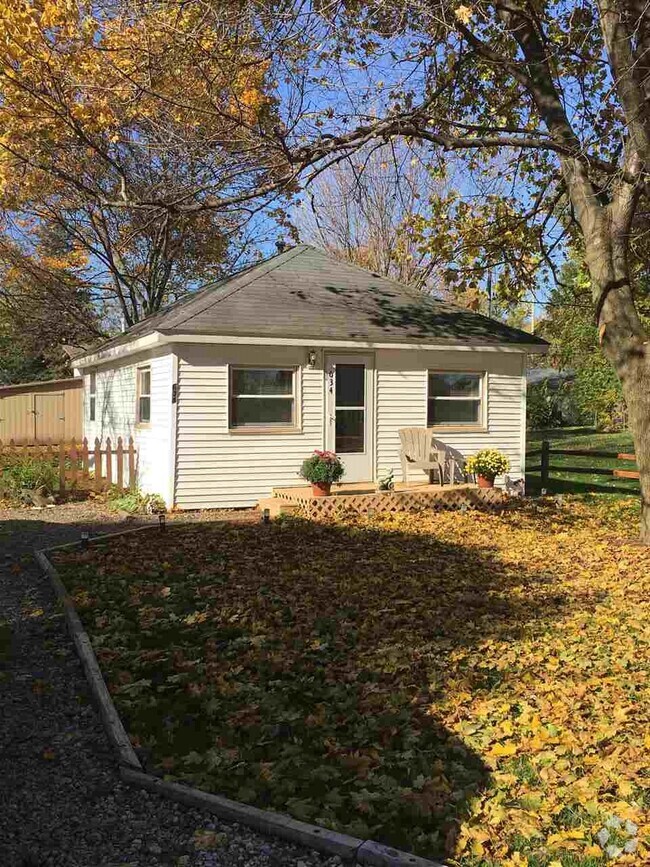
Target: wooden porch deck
364 498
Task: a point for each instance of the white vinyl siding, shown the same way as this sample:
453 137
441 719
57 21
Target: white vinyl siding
116 415
219 467
402 402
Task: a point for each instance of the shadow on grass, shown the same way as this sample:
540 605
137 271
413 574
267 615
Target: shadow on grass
303 666
570 486
560 433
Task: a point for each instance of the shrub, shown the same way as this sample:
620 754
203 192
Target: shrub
135 502
322 467
599 395
28 473
543 407
488 463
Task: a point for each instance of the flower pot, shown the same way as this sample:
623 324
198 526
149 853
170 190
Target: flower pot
321 489
485 482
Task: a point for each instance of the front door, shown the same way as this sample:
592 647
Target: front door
349 414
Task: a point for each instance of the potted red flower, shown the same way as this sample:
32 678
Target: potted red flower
322 469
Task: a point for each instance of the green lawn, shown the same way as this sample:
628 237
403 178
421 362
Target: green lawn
582 438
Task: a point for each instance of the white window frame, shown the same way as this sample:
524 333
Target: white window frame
265 427
481 399
92 396
143 368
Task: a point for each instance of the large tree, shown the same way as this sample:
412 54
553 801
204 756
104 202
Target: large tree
108 108
565 88
43 306
558 91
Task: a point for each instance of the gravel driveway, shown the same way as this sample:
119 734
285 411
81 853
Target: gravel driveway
61 800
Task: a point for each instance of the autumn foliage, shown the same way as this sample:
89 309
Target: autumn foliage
114 116
473 685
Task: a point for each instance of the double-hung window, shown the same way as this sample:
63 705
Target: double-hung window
92 397
455 399
144 395
262 397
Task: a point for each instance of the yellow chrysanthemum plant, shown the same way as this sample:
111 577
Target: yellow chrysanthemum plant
487 464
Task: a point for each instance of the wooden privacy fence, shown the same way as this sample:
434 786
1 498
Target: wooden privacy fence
80 466
545 468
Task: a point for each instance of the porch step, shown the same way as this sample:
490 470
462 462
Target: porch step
276 506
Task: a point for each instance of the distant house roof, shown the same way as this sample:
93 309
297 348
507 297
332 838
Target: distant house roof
306 293
549 374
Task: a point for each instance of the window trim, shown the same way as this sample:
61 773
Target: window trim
459 426
252 429
139 394
92 396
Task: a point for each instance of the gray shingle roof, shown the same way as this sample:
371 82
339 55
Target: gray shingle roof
307 293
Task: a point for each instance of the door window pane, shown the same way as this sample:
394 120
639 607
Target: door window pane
350 385
350 429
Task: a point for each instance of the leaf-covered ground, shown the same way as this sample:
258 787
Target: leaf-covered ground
468 684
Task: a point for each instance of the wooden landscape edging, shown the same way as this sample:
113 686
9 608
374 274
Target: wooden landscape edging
351 850
110 718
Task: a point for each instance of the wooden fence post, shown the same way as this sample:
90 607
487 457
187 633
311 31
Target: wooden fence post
74 463
109 462
120 464
85 474
61 467
98 465
544 464
131 465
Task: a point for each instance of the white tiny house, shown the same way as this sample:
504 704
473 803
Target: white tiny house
226 392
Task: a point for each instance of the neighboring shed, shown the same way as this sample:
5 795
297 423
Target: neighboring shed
38 412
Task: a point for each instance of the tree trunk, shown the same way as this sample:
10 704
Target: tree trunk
624 342
634 373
